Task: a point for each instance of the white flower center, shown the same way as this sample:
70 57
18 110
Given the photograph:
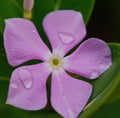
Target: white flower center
55 62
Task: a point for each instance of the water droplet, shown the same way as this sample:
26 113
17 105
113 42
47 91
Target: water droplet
26 78
66 38
94 74
14 85
28 84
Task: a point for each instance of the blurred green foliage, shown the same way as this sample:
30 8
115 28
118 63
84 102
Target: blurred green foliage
105 21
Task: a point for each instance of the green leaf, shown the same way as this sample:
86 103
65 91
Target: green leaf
105 85
111 110
12 112
9 9
115 96
4 82
84 6
6 69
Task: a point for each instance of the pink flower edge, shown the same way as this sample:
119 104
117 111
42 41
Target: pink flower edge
64 29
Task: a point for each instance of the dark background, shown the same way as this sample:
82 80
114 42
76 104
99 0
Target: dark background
105 21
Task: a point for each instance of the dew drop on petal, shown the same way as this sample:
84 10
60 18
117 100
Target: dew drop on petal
14 85
26 78
66 38
94 74
28 84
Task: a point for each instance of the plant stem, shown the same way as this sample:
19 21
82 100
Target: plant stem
57 5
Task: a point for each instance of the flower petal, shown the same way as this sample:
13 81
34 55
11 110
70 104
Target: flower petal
68 95
22 42
90 60
65 29
27 89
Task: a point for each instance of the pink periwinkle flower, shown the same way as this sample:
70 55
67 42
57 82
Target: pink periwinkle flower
65 29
